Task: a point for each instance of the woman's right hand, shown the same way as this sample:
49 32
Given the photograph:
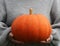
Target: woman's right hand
13 40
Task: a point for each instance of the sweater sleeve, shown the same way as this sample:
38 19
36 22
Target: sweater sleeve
55 17
4 29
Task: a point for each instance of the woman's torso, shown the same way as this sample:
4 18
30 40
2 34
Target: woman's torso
17 7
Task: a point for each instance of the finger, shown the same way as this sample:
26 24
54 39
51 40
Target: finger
10 34
43 41
48 39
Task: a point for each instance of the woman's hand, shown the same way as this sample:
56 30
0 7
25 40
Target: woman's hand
13 40
48 40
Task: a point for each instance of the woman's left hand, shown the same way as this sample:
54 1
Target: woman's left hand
48 40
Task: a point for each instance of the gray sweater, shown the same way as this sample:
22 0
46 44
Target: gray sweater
10 9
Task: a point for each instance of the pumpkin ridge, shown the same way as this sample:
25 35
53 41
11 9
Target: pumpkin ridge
38 27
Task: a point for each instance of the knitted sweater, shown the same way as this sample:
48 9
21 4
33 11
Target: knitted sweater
10 9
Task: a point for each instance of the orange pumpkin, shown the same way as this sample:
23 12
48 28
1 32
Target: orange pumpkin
31 27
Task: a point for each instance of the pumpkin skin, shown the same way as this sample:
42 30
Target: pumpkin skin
31 28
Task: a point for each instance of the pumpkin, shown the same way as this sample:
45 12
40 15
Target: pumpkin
31 27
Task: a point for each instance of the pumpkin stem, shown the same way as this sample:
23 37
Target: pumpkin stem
30 11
